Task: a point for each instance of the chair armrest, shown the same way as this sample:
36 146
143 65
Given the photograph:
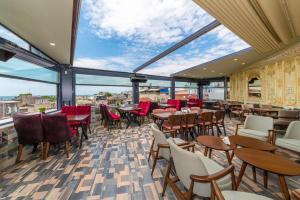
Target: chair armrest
216 190
183 143
163 146
237 127
188 147
215 176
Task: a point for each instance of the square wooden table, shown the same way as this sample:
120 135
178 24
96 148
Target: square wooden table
128 115
79 121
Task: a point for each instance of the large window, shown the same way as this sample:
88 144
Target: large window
93 90
185 90
155 90
214 91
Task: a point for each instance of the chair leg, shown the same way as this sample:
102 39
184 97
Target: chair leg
20 149
166 178
154 162
42 150
67 148
90 129
151 149
46 150
224 129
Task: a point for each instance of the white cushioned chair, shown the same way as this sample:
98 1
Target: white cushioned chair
258 127
191 168
234 195
291 139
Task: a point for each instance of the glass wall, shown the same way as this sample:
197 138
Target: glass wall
155 90
93 90
186 90
214 91
26 92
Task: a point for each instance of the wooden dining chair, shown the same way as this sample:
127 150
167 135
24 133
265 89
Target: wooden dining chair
206 122
173 125
189 124
218 121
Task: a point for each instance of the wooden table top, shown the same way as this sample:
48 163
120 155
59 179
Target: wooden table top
214 142
251 143
268 161
165 115
267 109
77 118
165 105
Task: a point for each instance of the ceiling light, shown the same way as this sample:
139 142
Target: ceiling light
221 73
243 63
204 68
212 70
52 44
235 59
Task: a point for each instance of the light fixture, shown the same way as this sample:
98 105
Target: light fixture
221 73
212 70
204 68
235 59
243 63
52 44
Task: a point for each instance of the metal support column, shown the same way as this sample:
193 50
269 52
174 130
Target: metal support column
172 89
67 86
225 88
200 91
135 92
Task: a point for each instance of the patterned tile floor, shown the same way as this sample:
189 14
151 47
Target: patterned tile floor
111 165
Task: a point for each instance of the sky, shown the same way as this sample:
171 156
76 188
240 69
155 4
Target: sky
122 35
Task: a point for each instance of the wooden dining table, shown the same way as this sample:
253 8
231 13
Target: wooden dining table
165 105
127 113
79 121
268 162
262 111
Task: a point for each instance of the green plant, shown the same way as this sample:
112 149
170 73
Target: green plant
42 109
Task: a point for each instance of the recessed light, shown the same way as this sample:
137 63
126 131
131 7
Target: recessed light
221 73
204 68
52 44
212 70
235 59
243 63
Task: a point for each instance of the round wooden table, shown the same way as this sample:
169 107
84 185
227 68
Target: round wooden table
268 162
216 143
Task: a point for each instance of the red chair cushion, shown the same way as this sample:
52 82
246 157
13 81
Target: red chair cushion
114 116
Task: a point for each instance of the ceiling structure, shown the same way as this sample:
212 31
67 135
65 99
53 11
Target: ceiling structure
42 23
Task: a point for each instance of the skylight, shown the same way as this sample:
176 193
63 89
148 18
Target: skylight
121 35
215 44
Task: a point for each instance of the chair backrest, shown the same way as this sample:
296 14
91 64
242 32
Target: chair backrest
220 115
207 117
84 110
289 114
175 120
69 110
159 138
186 163
29 128
170 110
177 104
146 105
259 123
106 114
56 128
158 110
189 118
293 130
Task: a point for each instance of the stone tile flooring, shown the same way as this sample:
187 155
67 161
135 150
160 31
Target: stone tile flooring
111 165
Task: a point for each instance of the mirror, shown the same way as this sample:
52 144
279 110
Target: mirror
254 87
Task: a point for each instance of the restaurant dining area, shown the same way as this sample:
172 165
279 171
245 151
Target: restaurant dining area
150 99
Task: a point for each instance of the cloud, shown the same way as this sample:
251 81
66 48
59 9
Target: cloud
151 22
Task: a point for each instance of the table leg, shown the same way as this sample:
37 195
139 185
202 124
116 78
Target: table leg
242 171
209 153
231 157
265 179
254 174
284 187
228 157
205 151
82 134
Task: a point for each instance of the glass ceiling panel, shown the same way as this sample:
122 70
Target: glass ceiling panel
121 35
215 44
102 80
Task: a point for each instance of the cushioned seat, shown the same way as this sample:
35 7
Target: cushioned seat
258 127
114 116
291 140
254 134
236 195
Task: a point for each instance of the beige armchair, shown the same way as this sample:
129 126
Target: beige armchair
258 127
195 171
291 139
233 195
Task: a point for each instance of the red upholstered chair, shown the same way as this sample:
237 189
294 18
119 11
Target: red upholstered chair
110 118
177 104
71 110
56 130
29 130
85 110
145 109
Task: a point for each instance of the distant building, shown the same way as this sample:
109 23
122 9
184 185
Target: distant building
8 108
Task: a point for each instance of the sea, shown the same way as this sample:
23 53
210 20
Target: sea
7 98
